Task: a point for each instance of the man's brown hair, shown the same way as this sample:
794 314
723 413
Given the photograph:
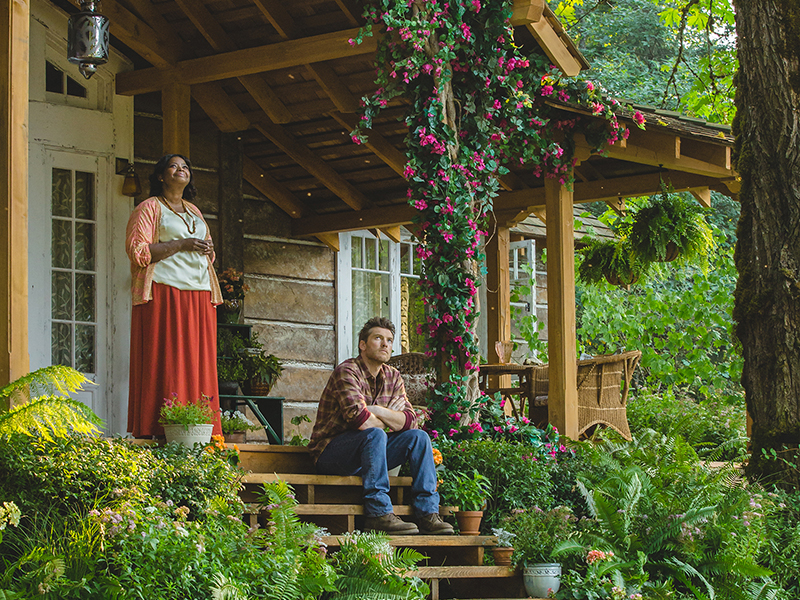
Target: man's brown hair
381 322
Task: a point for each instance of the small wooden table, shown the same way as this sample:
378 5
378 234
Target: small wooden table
521 388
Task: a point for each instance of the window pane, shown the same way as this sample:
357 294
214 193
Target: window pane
62 244
383 257
61 295
356 254
84 348
53 78
84 195
74 88
62 193
84 297
405 258
62 344
370 299
371 261
84 246
413 310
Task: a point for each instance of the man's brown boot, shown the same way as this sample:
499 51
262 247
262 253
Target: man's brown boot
432 524
390 523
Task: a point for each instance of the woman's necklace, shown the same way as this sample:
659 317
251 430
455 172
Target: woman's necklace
191 224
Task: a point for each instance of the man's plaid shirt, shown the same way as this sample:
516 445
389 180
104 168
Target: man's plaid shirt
343 404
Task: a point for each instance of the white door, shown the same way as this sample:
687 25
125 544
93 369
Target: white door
67 270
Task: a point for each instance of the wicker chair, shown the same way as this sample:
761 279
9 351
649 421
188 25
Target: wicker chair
418 377
603 385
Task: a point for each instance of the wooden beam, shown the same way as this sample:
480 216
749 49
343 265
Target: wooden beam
278 194
554 47
14 83
231 204
139 36
498 289
562 400
332 85
314 165
702 195
331 240
380 217
526 11
393 233
175 106
266 98
383 149
207 25
351 10
277 16
219 107
291 53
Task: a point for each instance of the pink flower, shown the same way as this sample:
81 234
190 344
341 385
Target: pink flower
547 90
453 432
590 86
638 118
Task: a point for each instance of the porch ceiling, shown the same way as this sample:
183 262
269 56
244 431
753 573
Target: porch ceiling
284 75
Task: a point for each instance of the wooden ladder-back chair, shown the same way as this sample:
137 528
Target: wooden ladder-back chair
603 385
418 377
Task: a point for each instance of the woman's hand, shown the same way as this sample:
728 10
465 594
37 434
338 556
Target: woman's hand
162 250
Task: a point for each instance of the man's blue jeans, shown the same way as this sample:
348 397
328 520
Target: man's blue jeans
371 453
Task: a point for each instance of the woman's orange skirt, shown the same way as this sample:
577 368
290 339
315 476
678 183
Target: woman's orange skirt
173 349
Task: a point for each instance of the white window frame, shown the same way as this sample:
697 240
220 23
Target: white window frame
345 328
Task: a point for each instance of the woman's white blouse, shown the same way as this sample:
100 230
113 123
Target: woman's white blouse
182 270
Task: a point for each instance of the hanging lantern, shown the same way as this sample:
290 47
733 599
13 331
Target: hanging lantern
131 186
87 39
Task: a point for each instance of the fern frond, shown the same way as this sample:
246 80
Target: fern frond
226 589
45 381
283 586
50 417
685 573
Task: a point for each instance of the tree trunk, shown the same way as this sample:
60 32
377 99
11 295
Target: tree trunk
767 297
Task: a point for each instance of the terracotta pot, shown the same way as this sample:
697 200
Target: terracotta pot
259 388
469 522
236 437
502 556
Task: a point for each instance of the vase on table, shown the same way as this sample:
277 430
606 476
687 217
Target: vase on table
230 311
189 435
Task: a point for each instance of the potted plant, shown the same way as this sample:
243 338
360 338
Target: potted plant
505 547
231 367
538 534
670 226
189 422
233 287
469 493
613 261
235 426
263 369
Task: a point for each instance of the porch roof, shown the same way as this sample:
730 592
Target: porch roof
284 76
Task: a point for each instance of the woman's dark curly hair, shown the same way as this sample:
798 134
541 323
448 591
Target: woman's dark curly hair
157 186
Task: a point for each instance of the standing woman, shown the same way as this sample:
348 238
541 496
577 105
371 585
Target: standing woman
175 288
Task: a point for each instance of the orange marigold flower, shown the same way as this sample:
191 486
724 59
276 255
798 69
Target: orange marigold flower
437 457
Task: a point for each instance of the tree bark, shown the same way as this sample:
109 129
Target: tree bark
767 296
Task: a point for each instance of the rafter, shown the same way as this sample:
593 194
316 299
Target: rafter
291 53
332 85
382 148
277 16
314 165
278 193
373 218
219 107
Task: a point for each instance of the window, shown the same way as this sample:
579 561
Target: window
379 277
58 82
73 269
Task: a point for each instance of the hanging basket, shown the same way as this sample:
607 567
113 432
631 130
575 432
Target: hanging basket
614 279
672 252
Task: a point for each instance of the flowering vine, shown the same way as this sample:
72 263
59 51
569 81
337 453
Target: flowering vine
476 105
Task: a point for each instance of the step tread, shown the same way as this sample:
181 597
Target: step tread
462 572
419 541
306 479
348 509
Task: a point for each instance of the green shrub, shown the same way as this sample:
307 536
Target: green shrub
518 473
781 552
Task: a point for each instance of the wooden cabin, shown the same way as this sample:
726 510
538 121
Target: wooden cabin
262 95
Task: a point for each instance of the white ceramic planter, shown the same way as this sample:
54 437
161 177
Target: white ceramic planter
189 436
540 578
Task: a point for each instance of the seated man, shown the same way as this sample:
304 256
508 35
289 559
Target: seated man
365 426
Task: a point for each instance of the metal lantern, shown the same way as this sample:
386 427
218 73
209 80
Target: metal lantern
87 39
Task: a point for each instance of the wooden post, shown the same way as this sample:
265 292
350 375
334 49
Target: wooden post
498 288
231 205
14 58
562 401
175 104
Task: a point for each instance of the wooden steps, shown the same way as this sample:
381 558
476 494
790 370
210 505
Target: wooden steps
453 566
